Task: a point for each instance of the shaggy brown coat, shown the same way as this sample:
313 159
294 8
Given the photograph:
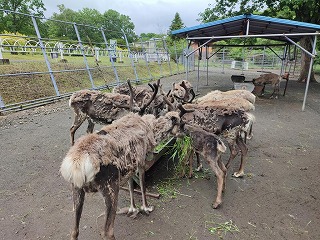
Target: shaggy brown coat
105 160
219 95
228 123
210 147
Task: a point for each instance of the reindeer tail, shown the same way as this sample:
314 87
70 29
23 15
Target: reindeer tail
78 170
247 129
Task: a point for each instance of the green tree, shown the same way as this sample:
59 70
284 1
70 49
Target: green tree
176 24
15 23
299 10
59 29
115 22
148 36
89 21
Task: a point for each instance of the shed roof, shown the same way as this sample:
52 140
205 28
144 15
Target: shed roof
249 25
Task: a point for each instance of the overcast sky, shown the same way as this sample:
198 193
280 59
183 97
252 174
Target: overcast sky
148 16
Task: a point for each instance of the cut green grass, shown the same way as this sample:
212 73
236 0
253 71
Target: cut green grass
221 229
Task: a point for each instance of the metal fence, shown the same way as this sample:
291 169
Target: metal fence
35 70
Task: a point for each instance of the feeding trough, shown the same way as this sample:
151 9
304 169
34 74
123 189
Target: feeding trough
240 83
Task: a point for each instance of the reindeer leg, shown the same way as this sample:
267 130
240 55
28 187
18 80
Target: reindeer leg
233 152
244 150
132 211
144 206
191 164
110 193
90 126
78 200
199 164
224 169
79 118
220 180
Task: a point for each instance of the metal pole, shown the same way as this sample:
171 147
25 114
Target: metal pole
2 105
175 50
264 52
130 56
83 54
223 58
145 58
158 59
310 70
111 58
168 55
207 58
45 55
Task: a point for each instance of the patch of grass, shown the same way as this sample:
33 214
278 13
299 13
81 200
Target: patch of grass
181 150
167 189
221 229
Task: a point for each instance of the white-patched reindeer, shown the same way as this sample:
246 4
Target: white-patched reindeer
105 160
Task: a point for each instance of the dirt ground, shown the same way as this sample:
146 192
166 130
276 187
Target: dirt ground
279 198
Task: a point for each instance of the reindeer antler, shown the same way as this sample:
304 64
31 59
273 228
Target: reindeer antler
193 95
155 86
183 110
131 95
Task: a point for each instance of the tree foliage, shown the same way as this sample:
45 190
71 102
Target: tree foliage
18 22
111 21
176 24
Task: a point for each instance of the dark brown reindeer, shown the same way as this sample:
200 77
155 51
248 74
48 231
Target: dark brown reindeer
105 160
228 123
210 147
103 108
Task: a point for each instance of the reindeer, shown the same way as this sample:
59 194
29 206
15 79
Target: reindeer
101 162
210 147
181 92
269 78
141 94
103 108
226 122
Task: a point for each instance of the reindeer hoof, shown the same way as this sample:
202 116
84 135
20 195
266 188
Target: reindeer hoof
198 169
238 174
147 210
216 204
128 211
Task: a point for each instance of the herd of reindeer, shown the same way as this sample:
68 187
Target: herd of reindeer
135 119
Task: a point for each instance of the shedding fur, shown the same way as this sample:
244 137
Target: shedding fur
103 108
210 147
220 95
229 123
105 160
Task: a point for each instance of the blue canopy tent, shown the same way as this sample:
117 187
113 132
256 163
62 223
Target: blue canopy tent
253 26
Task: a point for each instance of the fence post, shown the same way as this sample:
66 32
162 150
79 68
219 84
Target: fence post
84 55
176 54
2 105
145 58
111 58
45 55
130 56
158 59
168 55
